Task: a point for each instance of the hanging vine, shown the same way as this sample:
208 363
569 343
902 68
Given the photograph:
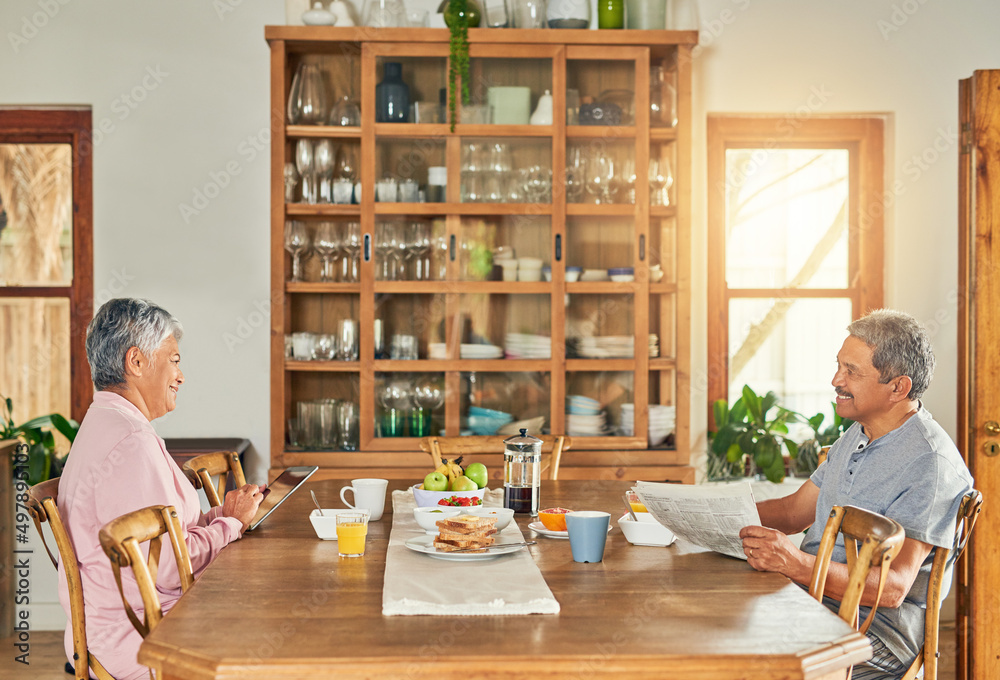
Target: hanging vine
457 18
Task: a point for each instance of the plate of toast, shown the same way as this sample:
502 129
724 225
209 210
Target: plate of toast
472 535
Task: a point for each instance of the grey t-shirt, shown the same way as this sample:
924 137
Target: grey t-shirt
914 475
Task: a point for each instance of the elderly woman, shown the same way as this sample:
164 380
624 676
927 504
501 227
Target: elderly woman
118 464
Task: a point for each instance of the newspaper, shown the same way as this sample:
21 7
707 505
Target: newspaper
708 516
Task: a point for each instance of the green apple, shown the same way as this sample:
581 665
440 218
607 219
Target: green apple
463 483
435 481
477 473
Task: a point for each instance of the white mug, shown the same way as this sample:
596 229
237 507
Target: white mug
369 494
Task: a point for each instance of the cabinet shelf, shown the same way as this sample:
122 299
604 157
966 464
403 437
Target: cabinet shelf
526 318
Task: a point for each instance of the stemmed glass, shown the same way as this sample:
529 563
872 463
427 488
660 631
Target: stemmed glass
326 244
427 395
350 243
660 181
296 243
628 180
601 169
576 176
304 164
323 167
345 167
386 251
291 178
420 248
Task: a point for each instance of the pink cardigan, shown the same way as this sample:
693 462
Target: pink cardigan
118 464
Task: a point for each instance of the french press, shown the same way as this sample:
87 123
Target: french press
522 472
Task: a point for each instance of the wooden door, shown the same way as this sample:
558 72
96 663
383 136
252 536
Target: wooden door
978 597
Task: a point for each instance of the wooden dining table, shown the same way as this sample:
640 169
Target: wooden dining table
280 603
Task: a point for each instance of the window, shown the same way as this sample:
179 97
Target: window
795 251
46 259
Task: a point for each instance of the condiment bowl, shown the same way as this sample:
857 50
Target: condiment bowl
325 525
428 516
503 515
647 531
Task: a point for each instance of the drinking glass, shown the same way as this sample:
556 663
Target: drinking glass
345 112
304 164
386 251
628 181
347 340
347 426
394 398
576 175
600 170
351 245
307 101
326 346
660 181
327 244
296 243
529 13
346 167
291 181
352 528
323 156
420 247
385 13
496 13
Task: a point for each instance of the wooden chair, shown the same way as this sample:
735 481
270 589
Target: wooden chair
201 469
880 540
42 505
821 456
451 447
121 539
968 511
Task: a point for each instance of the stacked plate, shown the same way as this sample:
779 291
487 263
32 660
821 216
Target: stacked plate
654 345
662 421
528 346
438 350
606 347
487 421
584 417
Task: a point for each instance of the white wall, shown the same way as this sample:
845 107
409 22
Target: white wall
196 78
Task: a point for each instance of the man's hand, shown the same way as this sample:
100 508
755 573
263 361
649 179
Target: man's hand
242 504
771 550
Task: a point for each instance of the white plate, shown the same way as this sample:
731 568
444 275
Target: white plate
425 545
539 528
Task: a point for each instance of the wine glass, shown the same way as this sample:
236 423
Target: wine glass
660 181
628 180
427 395
304 164
312 96
345 167
345 112
600 170
420 247
350 243
323 166
296 243
576 176
386 251
327 244
291 179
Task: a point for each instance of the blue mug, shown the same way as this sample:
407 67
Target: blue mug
588 532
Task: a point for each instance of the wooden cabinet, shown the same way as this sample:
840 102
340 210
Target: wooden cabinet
499 340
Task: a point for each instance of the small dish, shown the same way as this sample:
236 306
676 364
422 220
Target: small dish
427 516
622 278
646 531
594 275
573 273
325 526
503 515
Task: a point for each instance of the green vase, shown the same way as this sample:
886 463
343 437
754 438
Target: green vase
611 13
452 13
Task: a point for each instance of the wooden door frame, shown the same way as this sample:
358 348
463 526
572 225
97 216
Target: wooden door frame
863 136
65 125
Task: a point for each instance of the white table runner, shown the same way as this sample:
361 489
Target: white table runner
418 584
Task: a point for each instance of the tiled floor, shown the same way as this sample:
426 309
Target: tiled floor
47 658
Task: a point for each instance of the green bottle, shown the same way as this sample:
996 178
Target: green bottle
611 13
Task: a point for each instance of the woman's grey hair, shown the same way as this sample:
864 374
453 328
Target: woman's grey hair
900 346
119 325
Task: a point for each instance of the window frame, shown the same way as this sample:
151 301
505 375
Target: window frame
863 138
65 125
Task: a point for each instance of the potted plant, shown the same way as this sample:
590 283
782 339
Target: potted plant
43 463
459 16
808 458
748 439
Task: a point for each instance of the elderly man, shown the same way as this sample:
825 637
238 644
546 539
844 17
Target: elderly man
895 460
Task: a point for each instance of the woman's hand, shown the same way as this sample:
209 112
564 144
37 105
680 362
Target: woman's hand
242 504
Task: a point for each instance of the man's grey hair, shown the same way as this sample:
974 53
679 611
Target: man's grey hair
900 346
119 325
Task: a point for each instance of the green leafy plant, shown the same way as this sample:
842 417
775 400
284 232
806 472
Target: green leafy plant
459 15
808 458
747 435
37 434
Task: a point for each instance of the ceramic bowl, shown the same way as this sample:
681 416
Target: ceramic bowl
427 516
647 531
503 515
427 498
325 526
573 273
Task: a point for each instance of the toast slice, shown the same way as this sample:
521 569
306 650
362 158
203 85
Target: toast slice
454 536
466 524
467 544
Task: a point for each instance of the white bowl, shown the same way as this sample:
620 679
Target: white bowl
623 278
594 275
326 526
428 516
503 515
572 275
530 263
647 531
427 498
533 274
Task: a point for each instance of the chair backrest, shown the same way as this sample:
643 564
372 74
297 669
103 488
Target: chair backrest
121 539
968 511
43 507
821 456
200 470
871 540
441 447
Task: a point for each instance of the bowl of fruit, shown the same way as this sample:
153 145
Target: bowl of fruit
452 485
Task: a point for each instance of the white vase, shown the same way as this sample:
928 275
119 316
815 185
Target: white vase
683 15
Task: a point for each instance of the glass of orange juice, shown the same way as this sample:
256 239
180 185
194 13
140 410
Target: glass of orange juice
634 501
352 528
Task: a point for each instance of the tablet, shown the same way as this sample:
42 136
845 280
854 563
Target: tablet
280 489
